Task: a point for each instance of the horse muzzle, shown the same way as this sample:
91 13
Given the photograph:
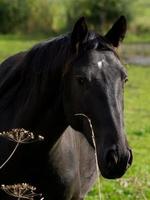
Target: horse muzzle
114 163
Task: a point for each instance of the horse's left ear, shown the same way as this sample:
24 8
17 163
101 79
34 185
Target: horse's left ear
79 33
117 33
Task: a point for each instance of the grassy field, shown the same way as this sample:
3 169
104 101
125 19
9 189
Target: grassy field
11 44
139 28
136 183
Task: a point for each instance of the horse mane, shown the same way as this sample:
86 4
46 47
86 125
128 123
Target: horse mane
51 55
40 69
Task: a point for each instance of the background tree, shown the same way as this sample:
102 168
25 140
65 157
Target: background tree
58 15
13 15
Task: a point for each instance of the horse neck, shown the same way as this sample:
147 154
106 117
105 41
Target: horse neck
42 109
53 123
43 113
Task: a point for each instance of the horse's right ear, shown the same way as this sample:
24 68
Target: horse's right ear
117 33
79 33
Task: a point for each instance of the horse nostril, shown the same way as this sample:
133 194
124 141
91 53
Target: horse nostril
130 158
112 158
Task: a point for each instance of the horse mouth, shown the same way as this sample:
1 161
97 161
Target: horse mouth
116 167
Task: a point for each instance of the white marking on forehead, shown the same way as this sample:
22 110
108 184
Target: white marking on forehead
100 63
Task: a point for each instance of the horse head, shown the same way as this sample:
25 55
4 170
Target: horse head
93 85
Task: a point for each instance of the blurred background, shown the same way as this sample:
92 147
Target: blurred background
56 16
40 19
24 23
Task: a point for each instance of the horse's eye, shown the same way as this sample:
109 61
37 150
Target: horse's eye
81 80
126 79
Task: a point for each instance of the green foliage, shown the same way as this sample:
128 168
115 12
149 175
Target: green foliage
97 12
57 15
12 14
39 16
141 23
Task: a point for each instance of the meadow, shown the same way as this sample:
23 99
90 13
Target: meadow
139 27
136 183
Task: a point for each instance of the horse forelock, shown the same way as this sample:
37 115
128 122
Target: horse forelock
94 41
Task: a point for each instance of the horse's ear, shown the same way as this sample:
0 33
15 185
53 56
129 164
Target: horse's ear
117 33
79 33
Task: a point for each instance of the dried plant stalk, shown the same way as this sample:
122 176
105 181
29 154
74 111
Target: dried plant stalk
96 159
21 191
19 136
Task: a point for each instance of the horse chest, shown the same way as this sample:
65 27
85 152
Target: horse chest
72 159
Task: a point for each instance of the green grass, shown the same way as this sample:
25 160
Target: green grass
141 10
139 28
11 44
137 37
135 185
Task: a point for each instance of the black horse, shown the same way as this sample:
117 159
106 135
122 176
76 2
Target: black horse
43 89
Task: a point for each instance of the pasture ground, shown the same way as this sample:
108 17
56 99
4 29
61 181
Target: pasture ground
136 183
